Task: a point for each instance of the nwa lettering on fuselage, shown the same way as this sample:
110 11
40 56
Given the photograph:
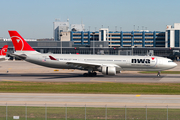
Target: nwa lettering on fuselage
147 61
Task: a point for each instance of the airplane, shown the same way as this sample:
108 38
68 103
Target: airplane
106 64
3 53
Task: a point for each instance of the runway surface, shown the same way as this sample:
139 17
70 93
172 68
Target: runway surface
77 77
24 71
90 100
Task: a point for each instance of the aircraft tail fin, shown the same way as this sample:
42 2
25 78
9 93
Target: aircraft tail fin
3 50
19 43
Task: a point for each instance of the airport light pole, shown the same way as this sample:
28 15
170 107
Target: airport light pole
132 44
143 28
93 43
61 42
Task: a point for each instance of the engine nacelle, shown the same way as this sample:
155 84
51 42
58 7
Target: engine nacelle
108 70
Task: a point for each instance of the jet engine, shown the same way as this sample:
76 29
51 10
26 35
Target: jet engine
108 70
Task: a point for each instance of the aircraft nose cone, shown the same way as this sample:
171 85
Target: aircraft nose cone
171 65
174 64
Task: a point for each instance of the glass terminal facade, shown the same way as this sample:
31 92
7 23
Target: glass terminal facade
121 39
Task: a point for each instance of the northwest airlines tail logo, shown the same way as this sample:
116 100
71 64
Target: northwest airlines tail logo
17 40
3 51
19 44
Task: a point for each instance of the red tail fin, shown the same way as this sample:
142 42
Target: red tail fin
4 50
19 43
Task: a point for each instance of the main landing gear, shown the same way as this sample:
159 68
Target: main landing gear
159 73
90 74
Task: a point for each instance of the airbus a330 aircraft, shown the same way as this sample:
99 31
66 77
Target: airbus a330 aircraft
107 64
3 53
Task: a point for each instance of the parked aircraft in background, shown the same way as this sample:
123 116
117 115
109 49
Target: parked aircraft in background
3 53
106 64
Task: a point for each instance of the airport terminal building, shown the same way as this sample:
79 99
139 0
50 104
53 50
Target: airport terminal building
74 39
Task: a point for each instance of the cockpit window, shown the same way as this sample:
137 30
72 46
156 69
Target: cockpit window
170 61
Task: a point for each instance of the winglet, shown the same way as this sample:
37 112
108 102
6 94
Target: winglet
19 43
3 50
52 58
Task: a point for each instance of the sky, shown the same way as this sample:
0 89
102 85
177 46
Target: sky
34 18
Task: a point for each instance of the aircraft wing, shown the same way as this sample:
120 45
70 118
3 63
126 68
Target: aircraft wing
86 65
82 64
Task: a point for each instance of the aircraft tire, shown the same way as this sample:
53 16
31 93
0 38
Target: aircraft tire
90 74
94 73
158 75
85 74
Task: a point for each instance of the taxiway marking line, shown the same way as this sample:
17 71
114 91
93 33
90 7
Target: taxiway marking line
101 81
10 80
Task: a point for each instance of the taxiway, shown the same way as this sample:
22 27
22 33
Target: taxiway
90 100
24 71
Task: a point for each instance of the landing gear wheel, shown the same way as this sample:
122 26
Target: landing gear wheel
159 73
85 74
94 73
90 74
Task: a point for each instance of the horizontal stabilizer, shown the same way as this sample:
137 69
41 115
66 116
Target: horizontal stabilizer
22 56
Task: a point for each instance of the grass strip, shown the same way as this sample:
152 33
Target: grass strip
162 72
78 113
95 88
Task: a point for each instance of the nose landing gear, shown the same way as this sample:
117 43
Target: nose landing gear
159 73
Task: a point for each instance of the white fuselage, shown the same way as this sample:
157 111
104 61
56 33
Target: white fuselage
129 63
